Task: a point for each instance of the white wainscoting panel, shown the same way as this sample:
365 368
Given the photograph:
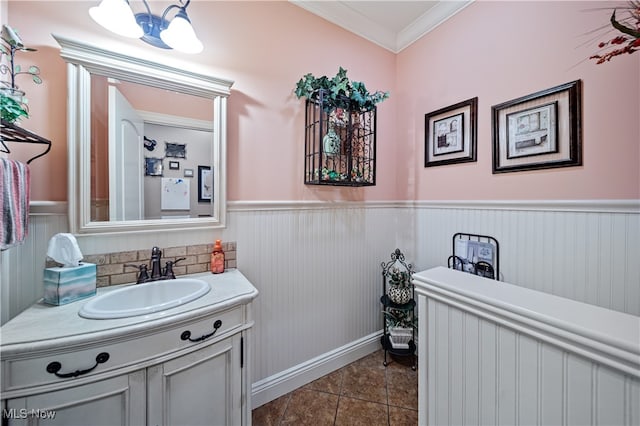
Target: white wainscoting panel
319 276
488 360
317 267
22 266
580 252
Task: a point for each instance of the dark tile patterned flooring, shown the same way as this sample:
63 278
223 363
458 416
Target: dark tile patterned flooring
364 392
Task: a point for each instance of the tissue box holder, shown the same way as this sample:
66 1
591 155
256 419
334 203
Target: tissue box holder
66 285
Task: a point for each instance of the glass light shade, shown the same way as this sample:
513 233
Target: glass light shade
116 16
181 36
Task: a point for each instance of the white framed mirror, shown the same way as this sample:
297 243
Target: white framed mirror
146 143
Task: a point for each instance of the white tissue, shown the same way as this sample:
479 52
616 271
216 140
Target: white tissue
63 248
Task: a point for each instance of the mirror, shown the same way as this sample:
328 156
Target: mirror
149 146
146 143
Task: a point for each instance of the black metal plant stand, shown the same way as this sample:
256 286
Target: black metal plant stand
404 310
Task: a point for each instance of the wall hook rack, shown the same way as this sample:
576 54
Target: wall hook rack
12 133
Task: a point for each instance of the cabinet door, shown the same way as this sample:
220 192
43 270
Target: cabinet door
199 388
116 401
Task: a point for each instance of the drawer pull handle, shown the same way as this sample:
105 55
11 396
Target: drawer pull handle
55 366
186 335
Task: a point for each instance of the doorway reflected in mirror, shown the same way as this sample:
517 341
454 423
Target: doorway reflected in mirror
119 104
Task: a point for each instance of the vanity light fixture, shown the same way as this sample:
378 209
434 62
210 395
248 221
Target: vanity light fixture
118 17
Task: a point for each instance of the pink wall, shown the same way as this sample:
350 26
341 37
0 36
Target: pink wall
494 50
499 51
265 47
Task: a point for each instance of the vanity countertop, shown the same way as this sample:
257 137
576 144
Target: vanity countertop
44 327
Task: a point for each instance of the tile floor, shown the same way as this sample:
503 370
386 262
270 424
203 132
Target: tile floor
361 393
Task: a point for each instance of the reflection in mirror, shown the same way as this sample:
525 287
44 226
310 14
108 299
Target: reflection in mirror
146 143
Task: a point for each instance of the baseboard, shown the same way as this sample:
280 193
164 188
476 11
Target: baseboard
279 384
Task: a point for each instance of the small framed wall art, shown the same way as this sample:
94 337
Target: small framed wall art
451 134
175 150
205 184
538 131
152 166
174 165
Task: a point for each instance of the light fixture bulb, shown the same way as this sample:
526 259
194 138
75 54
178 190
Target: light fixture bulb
116 16
180 35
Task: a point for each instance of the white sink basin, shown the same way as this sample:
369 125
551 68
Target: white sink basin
142 299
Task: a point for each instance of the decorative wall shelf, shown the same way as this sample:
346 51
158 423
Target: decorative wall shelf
12 133
340 145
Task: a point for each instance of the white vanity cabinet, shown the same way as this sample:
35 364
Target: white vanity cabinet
200 388
115 401
184 366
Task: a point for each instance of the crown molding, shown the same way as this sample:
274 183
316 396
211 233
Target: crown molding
427 22
341 14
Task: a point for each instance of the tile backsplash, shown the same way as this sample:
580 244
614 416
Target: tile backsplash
111 269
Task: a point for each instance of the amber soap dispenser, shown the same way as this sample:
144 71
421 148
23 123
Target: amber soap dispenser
217 258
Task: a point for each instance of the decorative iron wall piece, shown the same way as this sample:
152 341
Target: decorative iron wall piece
340 145
10 132
475 254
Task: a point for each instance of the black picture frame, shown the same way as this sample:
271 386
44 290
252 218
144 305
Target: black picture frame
174 165
205 184
451 134
175 150
152 166
542 130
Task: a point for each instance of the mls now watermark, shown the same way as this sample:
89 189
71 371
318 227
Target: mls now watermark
24 413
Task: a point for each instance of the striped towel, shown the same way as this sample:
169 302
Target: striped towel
14 202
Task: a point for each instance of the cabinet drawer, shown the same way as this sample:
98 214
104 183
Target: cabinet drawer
76 363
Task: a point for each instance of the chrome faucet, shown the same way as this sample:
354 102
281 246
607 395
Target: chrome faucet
157 272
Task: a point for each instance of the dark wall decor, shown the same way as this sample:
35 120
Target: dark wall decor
340 130
174 165
475 254
149 144
340 144
450 134
175 150
539 131
205 184
152 166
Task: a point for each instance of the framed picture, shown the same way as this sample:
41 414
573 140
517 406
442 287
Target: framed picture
175 150
188 172
152 166
539 131
205 184
450 134
174 165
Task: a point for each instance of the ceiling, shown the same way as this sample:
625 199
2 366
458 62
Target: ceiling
393 25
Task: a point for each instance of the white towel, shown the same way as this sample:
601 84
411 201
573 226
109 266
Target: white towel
14 202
